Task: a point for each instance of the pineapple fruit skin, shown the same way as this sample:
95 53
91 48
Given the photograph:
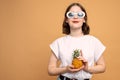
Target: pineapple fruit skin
77 63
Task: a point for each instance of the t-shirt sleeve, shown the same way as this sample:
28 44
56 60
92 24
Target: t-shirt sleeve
55 48
99 49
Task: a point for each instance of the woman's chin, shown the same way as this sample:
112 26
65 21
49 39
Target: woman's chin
76 27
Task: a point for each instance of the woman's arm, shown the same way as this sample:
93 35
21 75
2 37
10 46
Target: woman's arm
100 66
52 66
54 70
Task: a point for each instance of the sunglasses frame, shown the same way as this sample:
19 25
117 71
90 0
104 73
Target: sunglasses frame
75 13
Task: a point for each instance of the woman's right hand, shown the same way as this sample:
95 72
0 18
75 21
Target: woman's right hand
71 69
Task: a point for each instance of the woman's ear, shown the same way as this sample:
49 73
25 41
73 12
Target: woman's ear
66 21
84 21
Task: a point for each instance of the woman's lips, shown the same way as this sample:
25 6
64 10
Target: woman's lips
75 21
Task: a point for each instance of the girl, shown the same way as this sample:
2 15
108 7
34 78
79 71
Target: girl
77 37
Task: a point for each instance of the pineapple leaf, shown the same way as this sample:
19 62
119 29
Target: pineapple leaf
76 53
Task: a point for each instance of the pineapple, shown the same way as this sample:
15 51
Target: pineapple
76 62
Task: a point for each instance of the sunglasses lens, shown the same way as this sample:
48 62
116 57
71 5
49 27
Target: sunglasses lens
81 14
70 15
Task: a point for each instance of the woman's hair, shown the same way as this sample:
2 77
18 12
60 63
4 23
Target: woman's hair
85 26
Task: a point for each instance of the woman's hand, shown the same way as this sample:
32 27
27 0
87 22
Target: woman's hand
85 62
98 68
86 68
71 69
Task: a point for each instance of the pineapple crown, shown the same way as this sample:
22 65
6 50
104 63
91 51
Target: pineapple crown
76 53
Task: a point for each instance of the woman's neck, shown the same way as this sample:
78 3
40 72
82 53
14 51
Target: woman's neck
76 33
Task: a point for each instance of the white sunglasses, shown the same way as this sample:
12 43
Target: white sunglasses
80 14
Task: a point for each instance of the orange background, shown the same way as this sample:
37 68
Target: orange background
27 27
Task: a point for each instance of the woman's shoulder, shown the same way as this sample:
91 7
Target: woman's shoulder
91 37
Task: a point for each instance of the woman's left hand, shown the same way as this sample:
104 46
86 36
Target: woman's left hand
85 62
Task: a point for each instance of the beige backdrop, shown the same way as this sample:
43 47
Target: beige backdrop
27 27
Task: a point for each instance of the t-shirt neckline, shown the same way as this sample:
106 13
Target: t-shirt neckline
78 37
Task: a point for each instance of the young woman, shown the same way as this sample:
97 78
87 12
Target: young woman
77 37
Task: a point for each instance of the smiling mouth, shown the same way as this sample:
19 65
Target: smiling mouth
75 21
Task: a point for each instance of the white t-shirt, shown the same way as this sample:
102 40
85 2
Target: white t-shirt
91 47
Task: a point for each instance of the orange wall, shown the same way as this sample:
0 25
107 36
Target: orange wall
27 27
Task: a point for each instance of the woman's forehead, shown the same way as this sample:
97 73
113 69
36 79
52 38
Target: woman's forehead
75 8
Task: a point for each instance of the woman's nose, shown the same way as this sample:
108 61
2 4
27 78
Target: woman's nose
75 16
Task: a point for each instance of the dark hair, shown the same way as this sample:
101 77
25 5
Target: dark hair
85 26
